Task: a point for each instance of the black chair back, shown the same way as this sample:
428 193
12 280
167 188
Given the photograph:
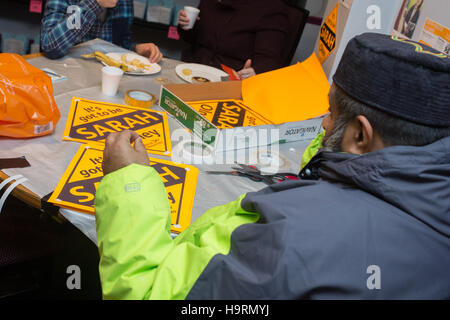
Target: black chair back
297 17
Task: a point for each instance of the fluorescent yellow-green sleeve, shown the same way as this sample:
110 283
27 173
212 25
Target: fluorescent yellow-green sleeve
312 149
138 257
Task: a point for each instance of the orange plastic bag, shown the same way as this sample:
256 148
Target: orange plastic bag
27 106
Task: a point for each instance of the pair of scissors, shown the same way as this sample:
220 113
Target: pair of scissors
255 174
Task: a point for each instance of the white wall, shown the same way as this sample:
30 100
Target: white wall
356 23
353 20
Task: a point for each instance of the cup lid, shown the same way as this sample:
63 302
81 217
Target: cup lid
112 70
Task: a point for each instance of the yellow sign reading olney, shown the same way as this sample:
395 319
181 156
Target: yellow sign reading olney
77 187
226 114
91 121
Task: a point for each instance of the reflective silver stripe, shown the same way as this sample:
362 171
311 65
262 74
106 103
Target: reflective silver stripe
9 190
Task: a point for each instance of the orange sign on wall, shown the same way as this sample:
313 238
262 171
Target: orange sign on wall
327 38
436 36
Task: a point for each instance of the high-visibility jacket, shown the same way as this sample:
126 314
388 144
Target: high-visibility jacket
372 226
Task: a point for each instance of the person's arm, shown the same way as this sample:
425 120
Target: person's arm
59 29
269 43
138 257
187 35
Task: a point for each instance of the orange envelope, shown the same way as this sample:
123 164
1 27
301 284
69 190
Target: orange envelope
293 93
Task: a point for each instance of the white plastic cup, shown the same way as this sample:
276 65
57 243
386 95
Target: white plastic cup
110 80
192 14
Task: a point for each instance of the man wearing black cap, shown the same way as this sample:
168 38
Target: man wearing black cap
369 220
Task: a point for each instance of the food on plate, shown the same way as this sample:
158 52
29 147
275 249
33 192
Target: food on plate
135 64
186 72
200 79
100 56
126 62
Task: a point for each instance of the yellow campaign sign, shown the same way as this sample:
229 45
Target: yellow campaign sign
76 189
327 35
91 121
226 114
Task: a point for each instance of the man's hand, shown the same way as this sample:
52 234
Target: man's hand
247 71
107 3
149 50
119 153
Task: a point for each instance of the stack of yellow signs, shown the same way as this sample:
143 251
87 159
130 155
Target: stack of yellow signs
90 122
226 114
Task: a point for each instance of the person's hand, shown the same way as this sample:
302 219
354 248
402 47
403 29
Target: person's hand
247 71
183 20
149 50
119 153
107 3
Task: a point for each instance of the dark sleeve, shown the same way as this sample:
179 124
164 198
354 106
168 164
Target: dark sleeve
121 32
126 38
187 35
269 42
190 35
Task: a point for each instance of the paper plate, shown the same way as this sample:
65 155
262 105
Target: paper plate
199 73
151 68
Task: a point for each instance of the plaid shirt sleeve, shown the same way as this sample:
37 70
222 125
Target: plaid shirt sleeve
59 31
123 11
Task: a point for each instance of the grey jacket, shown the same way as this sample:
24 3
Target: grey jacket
375 226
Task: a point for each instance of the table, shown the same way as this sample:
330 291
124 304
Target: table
49 156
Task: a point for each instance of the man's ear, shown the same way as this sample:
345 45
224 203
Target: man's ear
360 137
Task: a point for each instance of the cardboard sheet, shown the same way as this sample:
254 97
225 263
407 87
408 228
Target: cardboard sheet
293 93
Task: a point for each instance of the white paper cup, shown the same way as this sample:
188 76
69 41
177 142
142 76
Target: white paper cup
110 80
192 14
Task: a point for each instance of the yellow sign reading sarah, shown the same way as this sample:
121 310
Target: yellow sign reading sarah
226 114
91 121
77 187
